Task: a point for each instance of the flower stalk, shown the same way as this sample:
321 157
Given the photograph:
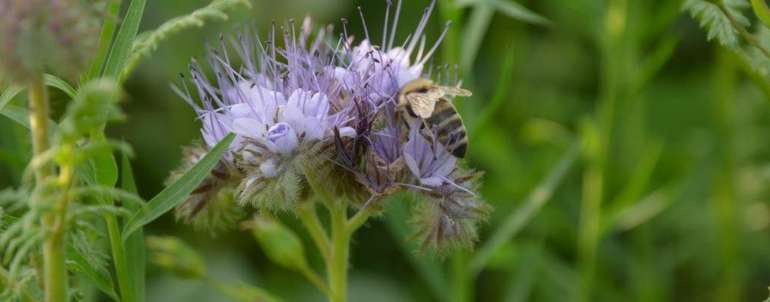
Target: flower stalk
337 266
55 274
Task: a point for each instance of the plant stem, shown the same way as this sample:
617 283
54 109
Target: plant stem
462 282
38 123
119 257
309 218
751 39
55 273
337 267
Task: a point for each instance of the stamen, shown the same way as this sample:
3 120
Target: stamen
363 22
395 26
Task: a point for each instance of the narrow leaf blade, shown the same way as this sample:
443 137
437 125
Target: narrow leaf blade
125 39
179 190
58 83
135 250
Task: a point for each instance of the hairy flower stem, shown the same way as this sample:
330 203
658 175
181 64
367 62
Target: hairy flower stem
55 273
337 266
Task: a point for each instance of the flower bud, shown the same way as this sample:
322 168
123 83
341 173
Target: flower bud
176 256
280 243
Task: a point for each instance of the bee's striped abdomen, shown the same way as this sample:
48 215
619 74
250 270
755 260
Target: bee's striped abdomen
449 127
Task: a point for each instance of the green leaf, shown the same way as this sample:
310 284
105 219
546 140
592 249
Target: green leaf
509 8
474 32
17 114
715 22
125 39
8 95
518 12
179 190
105 39
135 250
517 219
100 278
58 83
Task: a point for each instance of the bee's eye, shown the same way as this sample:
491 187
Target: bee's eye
422 90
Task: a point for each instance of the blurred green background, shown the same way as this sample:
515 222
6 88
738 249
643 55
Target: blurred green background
667 202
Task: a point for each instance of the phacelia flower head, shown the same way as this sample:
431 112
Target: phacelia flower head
312 113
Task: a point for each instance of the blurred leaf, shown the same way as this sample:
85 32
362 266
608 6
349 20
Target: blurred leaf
124 40
17 114
715 22
279 242
93 106
473 34
510 9
176 256
172 195
8 95
105 39
642 211
241 292
518 12
397 215
498 99
524 277
100 278
768 298
517 219
58 83
135 250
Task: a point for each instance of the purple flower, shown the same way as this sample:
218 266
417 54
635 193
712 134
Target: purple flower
429 162
308 109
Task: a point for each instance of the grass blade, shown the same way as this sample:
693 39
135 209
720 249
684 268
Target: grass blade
518 12
135 250
125 39
179 190
105 40
474 31
519 218
58 83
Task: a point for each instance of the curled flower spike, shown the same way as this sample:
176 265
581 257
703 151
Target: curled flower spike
317 118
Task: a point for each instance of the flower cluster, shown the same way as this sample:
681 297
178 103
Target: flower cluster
314 115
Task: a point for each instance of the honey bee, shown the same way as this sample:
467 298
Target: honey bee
423 99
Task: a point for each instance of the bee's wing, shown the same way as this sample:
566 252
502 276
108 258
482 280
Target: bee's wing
456 91
422 104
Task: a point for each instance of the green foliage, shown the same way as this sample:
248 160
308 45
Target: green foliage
711 16
148 42
121 48
177 192
94 105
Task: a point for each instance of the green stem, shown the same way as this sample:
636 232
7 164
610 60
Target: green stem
462 283
38 123
119 257
54 270
309 218
337 267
